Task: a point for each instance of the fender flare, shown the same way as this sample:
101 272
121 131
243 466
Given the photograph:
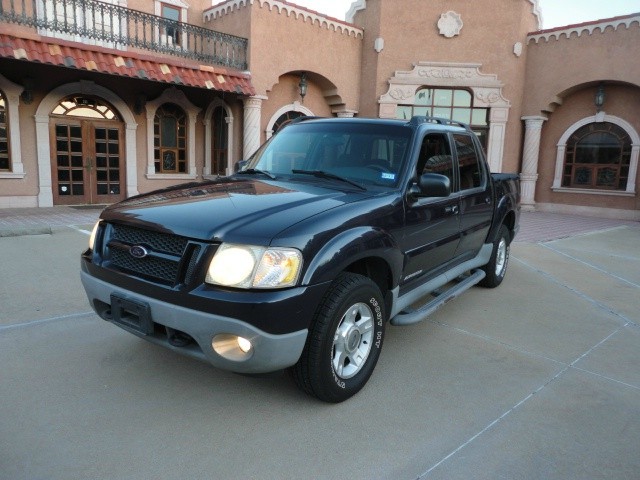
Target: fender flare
351 246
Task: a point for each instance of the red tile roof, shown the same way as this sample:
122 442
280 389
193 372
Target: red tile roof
115 62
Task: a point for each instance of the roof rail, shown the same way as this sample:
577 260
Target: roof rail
420 119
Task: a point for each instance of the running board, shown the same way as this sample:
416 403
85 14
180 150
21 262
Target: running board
409 317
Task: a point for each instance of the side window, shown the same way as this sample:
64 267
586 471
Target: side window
5 162
471 173
435 157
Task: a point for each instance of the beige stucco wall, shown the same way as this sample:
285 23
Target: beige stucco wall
622 101
411 35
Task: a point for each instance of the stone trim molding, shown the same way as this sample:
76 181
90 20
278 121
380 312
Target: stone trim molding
12 93
290 10
49 102
450 24
292 107
586 29
633 164
486 88
172 95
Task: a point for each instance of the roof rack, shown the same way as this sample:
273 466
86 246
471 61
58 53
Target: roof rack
420 119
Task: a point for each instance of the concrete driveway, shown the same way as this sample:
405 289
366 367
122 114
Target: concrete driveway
538 379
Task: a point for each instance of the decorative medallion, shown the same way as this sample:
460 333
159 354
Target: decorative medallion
450 24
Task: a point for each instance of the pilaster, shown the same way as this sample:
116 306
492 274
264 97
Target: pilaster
530 158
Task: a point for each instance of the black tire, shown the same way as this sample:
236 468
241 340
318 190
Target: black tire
344 340
497 266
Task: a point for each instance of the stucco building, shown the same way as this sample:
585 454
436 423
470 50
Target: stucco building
102 100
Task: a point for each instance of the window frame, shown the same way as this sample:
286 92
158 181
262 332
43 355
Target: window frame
11 92
161 150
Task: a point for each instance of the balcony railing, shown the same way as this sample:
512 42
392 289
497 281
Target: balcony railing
113 26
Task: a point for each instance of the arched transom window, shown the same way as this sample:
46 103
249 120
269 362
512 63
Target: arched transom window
452 103
170 139
286 118
597 156
84 106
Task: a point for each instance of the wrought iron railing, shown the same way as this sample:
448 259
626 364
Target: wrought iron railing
105 24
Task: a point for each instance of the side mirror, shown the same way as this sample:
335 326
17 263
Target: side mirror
432 185
240 165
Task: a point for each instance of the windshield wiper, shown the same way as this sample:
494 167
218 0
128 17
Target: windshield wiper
250 171
331 176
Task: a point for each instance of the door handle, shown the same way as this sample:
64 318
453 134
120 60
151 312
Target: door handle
452 209
89 164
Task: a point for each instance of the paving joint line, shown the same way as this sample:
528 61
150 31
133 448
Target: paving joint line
44 321
520 404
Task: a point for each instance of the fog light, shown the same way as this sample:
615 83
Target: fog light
232 347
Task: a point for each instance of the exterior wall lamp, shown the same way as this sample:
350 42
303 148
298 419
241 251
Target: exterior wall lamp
27 94
599 98
303 85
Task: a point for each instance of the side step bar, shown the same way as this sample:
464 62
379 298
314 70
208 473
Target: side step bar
410 316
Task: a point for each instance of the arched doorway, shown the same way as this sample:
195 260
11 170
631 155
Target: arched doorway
87 155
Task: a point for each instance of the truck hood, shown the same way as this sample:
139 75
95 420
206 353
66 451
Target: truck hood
232 210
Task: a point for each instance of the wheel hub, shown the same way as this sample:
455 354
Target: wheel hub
352 341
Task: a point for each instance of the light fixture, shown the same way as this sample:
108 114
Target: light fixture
139 104
599 98
303 85
27 94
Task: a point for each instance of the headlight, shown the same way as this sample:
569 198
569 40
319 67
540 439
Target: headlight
246 266
92 237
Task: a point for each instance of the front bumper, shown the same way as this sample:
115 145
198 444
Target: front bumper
269 352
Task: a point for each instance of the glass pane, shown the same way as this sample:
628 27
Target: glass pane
470 172
4 163
101 134
62 146
103 189
101 162
113 134
403 112
113 148
169 161
75 131
169 138
426 111
76 146
607 177
443 97
170 13
582 176
63 161
479 116
424 97
440 112
101 147
76 175
61 131
114 175
78 189
461 98
76 161
63 175
63 189
114 162
101 175
461 115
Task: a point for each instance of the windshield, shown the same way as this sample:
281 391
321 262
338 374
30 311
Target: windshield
369 154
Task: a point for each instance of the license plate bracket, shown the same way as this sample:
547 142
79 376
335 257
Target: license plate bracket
131 314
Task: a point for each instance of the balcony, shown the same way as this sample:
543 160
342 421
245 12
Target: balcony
103 24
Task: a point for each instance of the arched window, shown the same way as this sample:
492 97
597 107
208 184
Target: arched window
5 162
286 118
170 139
456 104
598 156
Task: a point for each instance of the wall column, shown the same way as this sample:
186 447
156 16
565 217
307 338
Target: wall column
530 158
252 118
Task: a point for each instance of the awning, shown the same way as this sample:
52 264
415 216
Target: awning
126 64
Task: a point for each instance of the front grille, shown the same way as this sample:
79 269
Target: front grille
170 259
159 242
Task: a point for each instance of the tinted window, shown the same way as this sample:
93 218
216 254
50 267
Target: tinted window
435 157
468 161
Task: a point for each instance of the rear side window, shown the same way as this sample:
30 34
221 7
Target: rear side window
471 172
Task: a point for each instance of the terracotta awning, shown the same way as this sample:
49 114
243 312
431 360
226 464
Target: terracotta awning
114 62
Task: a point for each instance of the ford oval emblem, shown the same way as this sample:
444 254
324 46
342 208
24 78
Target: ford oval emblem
138 251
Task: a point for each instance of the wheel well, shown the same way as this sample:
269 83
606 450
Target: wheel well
374 268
